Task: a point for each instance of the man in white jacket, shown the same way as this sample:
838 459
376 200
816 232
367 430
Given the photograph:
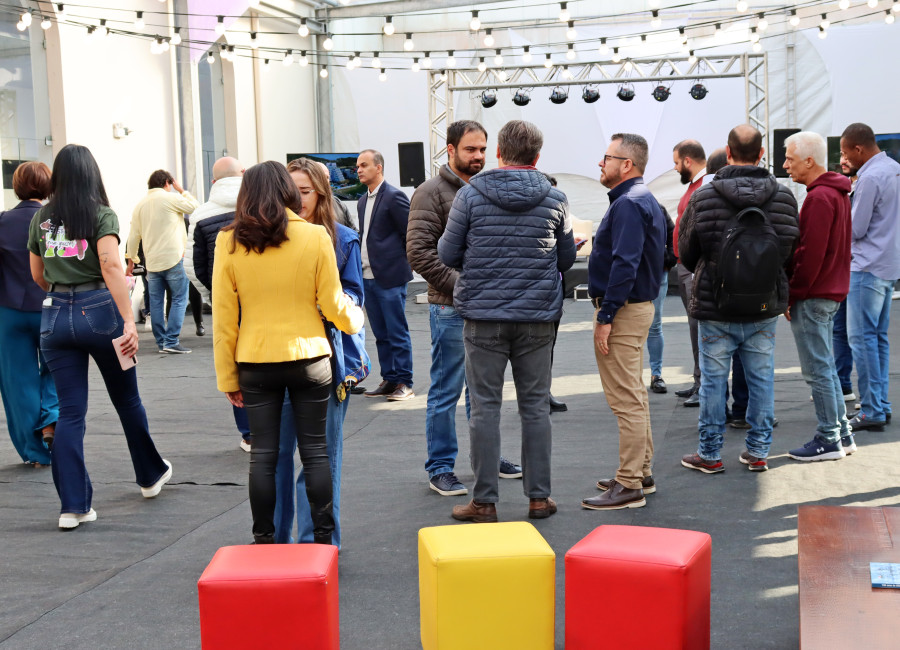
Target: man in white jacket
227 175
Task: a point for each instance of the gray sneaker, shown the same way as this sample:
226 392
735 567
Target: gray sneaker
446 484
509 469
176 349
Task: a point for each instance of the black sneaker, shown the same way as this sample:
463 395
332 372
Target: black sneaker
753 463
176 349
508 469
446 484
860 422
739 423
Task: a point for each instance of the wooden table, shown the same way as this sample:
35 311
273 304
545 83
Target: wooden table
838 606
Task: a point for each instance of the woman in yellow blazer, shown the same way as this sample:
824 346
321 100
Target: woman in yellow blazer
273 271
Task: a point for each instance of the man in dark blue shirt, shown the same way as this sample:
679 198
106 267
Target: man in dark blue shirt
624 275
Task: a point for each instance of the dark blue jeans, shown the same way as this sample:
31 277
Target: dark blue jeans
386 309
74 327
843 355
448 377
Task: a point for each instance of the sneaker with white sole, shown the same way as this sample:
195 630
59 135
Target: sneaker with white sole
753 463
446 484
849 396
848 442
817 449
509 469
153 490
176 349
70 520
245 445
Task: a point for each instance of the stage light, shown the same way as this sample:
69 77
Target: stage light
488 98
526 55
139 21
559 95
323 72
382 76
475 23
451 60
408 44
548 62
488 38
604 48
661 93
570 53
45 23
522 97
564 15
571 34
616 57
388 28
626 92
498 60
303 30
655 21
376 60
328 43
698 91
482 66
794 19
763 24
590 94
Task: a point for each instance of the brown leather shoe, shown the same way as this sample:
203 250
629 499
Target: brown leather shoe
616 497
481 513
384 388
401 394
647 484
541 508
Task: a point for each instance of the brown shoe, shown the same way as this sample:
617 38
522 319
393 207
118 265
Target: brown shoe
384 388
647 484
541 508
481 513
616 497
401 394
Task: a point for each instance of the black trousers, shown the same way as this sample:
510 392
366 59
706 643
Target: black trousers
308 383
194 299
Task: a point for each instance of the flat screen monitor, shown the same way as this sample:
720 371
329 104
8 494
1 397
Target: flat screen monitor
341 171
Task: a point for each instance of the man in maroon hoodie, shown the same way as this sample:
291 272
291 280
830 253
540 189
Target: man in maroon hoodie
819 283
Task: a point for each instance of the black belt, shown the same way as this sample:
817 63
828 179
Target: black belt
96 285
599 301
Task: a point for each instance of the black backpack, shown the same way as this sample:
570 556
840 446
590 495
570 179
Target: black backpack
749 266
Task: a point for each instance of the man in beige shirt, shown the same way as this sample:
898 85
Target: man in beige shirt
158 221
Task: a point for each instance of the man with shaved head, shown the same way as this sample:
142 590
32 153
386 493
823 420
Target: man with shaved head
728 322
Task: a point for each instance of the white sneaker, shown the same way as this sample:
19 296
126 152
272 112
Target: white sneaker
850 397
153 490
148 326
245 445
72 519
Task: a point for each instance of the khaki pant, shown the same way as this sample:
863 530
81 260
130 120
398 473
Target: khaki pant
623 384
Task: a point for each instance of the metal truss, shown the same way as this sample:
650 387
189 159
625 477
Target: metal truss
753 68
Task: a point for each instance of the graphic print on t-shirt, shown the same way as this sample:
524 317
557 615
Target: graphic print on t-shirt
58 245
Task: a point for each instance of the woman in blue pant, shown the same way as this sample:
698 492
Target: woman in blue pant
29 396
74 244
350 363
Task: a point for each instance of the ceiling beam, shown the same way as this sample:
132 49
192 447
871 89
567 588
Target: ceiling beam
390 8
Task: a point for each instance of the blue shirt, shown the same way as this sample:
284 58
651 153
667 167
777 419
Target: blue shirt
875 246
626 261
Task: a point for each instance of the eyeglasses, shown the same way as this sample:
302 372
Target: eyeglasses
607 157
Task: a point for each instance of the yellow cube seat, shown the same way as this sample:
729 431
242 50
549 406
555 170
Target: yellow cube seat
486 586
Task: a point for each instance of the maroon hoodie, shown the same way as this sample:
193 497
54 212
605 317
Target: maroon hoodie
822 257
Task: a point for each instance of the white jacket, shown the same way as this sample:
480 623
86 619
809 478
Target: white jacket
222 198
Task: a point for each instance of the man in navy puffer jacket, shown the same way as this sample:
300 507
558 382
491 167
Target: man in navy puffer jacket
509 235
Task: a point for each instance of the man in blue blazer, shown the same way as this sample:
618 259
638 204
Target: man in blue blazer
383 215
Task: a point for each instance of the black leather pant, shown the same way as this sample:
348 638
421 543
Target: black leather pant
308 383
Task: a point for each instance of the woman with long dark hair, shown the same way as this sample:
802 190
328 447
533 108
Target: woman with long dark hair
349 363
272 273
29 396
74 244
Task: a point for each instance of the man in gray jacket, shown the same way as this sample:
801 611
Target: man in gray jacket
428 212
510 236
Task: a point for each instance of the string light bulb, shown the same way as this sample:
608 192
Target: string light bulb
488 38
408 44
323 72
451 60
604 48
426 62
888 17
210 58
616 57
872 4
655 20
742 6
45 23
718 32
376 62
896 7
26 18
328 43
415 65
444 76
763 24
823 33
564 15
692 59
567 74
571 34
21 26
303 29
220 25
104 30
475 23
288 58
526 55
482 66
501 75
139 21
357 60
570 53
176 37
794 19
498 59
754 37
825 24
757 46
843 5
382 76
303 61
548 62
61 12
388 27
254 43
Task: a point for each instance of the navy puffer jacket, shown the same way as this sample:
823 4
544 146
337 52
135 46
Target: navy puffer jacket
510 236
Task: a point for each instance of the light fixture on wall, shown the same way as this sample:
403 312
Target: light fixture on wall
475 23
488 98
388 27
303 29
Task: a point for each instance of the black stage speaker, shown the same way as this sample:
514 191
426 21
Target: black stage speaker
778 138
412 163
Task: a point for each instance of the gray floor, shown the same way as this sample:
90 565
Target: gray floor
129 579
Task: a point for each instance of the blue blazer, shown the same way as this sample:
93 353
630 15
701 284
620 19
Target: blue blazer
17 289
386 241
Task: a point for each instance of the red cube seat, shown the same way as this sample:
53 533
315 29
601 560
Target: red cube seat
638 587
270 596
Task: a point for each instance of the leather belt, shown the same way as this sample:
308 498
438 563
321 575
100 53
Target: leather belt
96 285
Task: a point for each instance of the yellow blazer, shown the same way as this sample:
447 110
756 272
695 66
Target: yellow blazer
274 296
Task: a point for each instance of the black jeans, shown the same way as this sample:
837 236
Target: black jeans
308 383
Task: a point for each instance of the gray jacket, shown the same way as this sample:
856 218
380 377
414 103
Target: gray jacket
509 234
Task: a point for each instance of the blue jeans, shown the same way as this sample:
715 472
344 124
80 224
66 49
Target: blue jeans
755 343
77 326
386 309
448 376
284 476
655 341
843 356
175 281
241 422
812 322
868 319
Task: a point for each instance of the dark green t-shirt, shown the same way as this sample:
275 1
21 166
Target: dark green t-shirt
68 261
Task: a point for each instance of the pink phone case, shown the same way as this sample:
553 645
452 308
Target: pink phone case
126 362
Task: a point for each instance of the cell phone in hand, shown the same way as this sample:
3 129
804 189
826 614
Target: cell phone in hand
127 362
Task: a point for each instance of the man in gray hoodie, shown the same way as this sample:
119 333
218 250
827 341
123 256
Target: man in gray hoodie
509 235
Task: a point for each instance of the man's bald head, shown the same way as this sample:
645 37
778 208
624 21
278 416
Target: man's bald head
225 167
744 145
